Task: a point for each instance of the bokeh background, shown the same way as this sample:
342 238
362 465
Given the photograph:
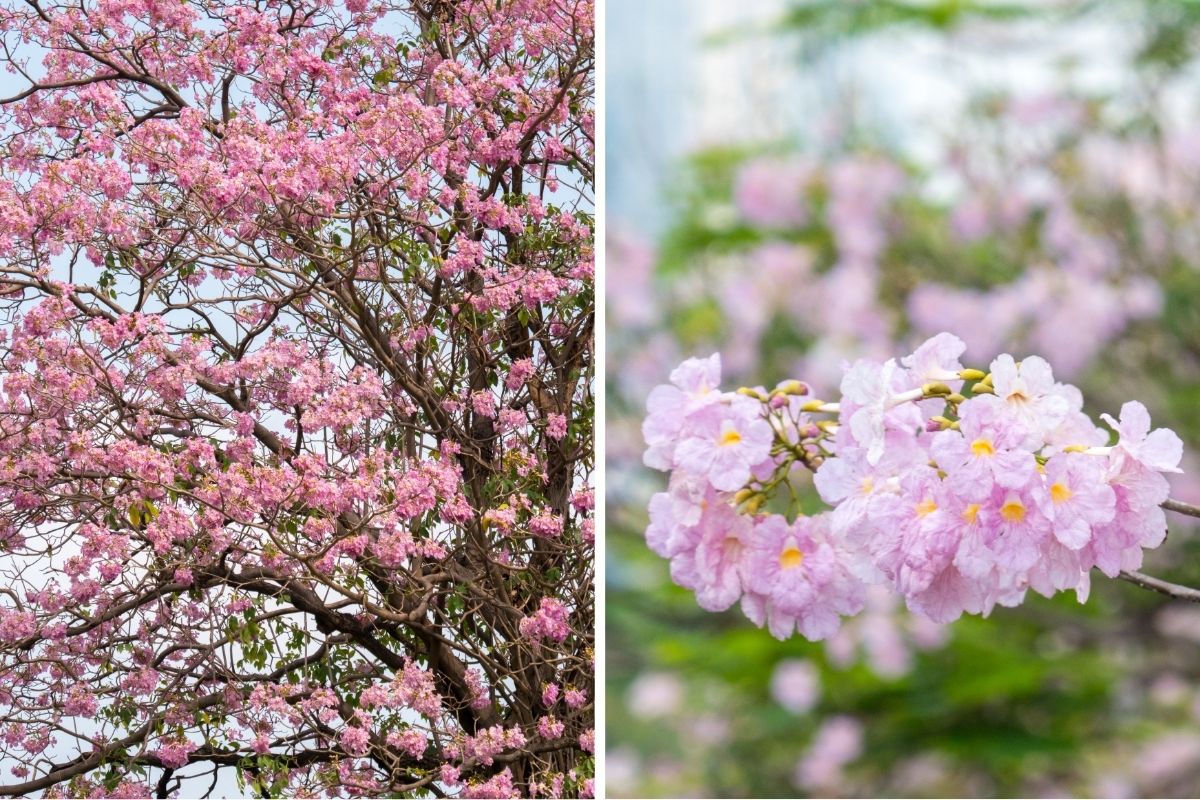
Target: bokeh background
795 184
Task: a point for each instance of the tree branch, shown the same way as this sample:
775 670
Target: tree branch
1161 586
1157 584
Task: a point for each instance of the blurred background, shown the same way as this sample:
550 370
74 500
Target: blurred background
796 184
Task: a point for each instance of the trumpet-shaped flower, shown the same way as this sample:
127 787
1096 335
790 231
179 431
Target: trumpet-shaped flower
986 450
729 441
693 386
1028 394
801 578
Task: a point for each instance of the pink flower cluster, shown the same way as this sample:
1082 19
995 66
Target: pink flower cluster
548 622
956 488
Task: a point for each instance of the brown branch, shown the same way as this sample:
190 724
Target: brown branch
1163 587
1182 508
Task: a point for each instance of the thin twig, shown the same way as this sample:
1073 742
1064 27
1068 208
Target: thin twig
1182 508
1157 584
1164 587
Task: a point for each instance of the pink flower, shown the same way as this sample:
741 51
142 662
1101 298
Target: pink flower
798 579
175 753
410 741
936 360
874 401
987 450
547 525
918 531
356 741
1020 529
1159 450
1076 497
716 566
556 426
693 386
81 702
550 728
727 444
549 622
769 192
497 786
838 742
575 698
1027 392
518 373
484 404
795 685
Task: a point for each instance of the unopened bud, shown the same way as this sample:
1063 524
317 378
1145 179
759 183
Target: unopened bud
987 379
792 387
743 495
778 401
1075 448
749 392
753 504
956 398
982 388
812 405
972 374
936 390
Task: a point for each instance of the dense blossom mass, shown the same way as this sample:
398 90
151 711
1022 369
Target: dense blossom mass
296 398
959 489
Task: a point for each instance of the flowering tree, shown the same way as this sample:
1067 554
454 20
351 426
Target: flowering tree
295 417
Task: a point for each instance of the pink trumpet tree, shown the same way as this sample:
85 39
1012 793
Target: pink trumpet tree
296 398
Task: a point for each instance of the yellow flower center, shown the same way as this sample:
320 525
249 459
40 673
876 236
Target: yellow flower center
1059 493
926 507
729 437
791 557
868 485
1013 510
971 513
983 447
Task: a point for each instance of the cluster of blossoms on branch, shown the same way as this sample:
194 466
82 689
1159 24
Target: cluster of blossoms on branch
958 489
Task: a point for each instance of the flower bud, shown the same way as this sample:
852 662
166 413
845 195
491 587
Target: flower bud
972 374
982 388
936 390
749 392
792 387
754 503
743 495
956 398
